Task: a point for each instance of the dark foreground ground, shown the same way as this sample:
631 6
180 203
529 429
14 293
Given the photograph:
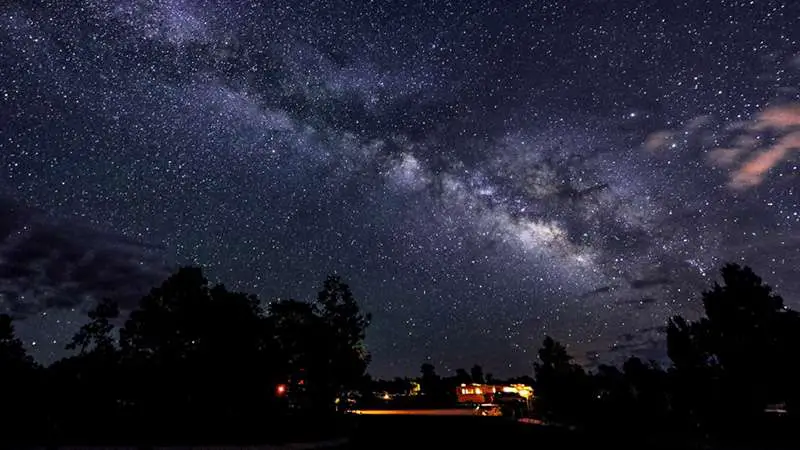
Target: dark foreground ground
405 431
458 432
486 433
496 433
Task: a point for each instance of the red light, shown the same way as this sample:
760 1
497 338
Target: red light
280 389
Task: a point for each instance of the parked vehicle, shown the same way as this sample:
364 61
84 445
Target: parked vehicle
488 409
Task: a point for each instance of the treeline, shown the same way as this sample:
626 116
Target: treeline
194 361
735 373
198 362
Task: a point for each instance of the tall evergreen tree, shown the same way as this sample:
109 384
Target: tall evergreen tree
13 357
742 355
346 325
562 389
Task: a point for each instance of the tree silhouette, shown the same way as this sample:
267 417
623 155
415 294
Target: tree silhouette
87 383
462 376
344 342
195 359
476 373
13 357
301 360
563 391
97 333
428 371
168 324
738 359
647 399
432 385
18 374
198 353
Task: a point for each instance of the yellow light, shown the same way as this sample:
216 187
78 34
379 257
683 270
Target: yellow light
386 396
478 391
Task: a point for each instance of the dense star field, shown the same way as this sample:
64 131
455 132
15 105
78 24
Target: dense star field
481 172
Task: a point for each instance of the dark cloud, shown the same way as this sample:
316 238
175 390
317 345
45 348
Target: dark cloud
647 343
47 264
591 357
598 291
640 302
627 337
648 340
645 283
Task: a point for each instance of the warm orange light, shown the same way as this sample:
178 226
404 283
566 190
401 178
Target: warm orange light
280 389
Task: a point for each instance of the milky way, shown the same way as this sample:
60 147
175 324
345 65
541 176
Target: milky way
482 173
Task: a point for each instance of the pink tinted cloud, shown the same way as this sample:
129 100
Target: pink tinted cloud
747 157
658 141
754 170
778 117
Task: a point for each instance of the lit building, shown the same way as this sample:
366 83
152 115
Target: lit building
488 393
475 393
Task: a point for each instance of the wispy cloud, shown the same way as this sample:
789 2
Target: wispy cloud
645 283
753 171
751 148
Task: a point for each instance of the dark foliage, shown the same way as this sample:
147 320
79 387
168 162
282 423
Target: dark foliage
17 372
562 385
197 362
194 362
739 359
437 390
476 374
462 376
728 368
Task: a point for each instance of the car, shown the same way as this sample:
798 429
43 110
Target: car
488 409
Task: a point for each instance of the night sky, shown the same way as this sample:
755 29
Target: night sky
482 173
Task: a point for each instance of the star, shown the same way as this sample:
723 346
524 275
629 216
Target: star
479 175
